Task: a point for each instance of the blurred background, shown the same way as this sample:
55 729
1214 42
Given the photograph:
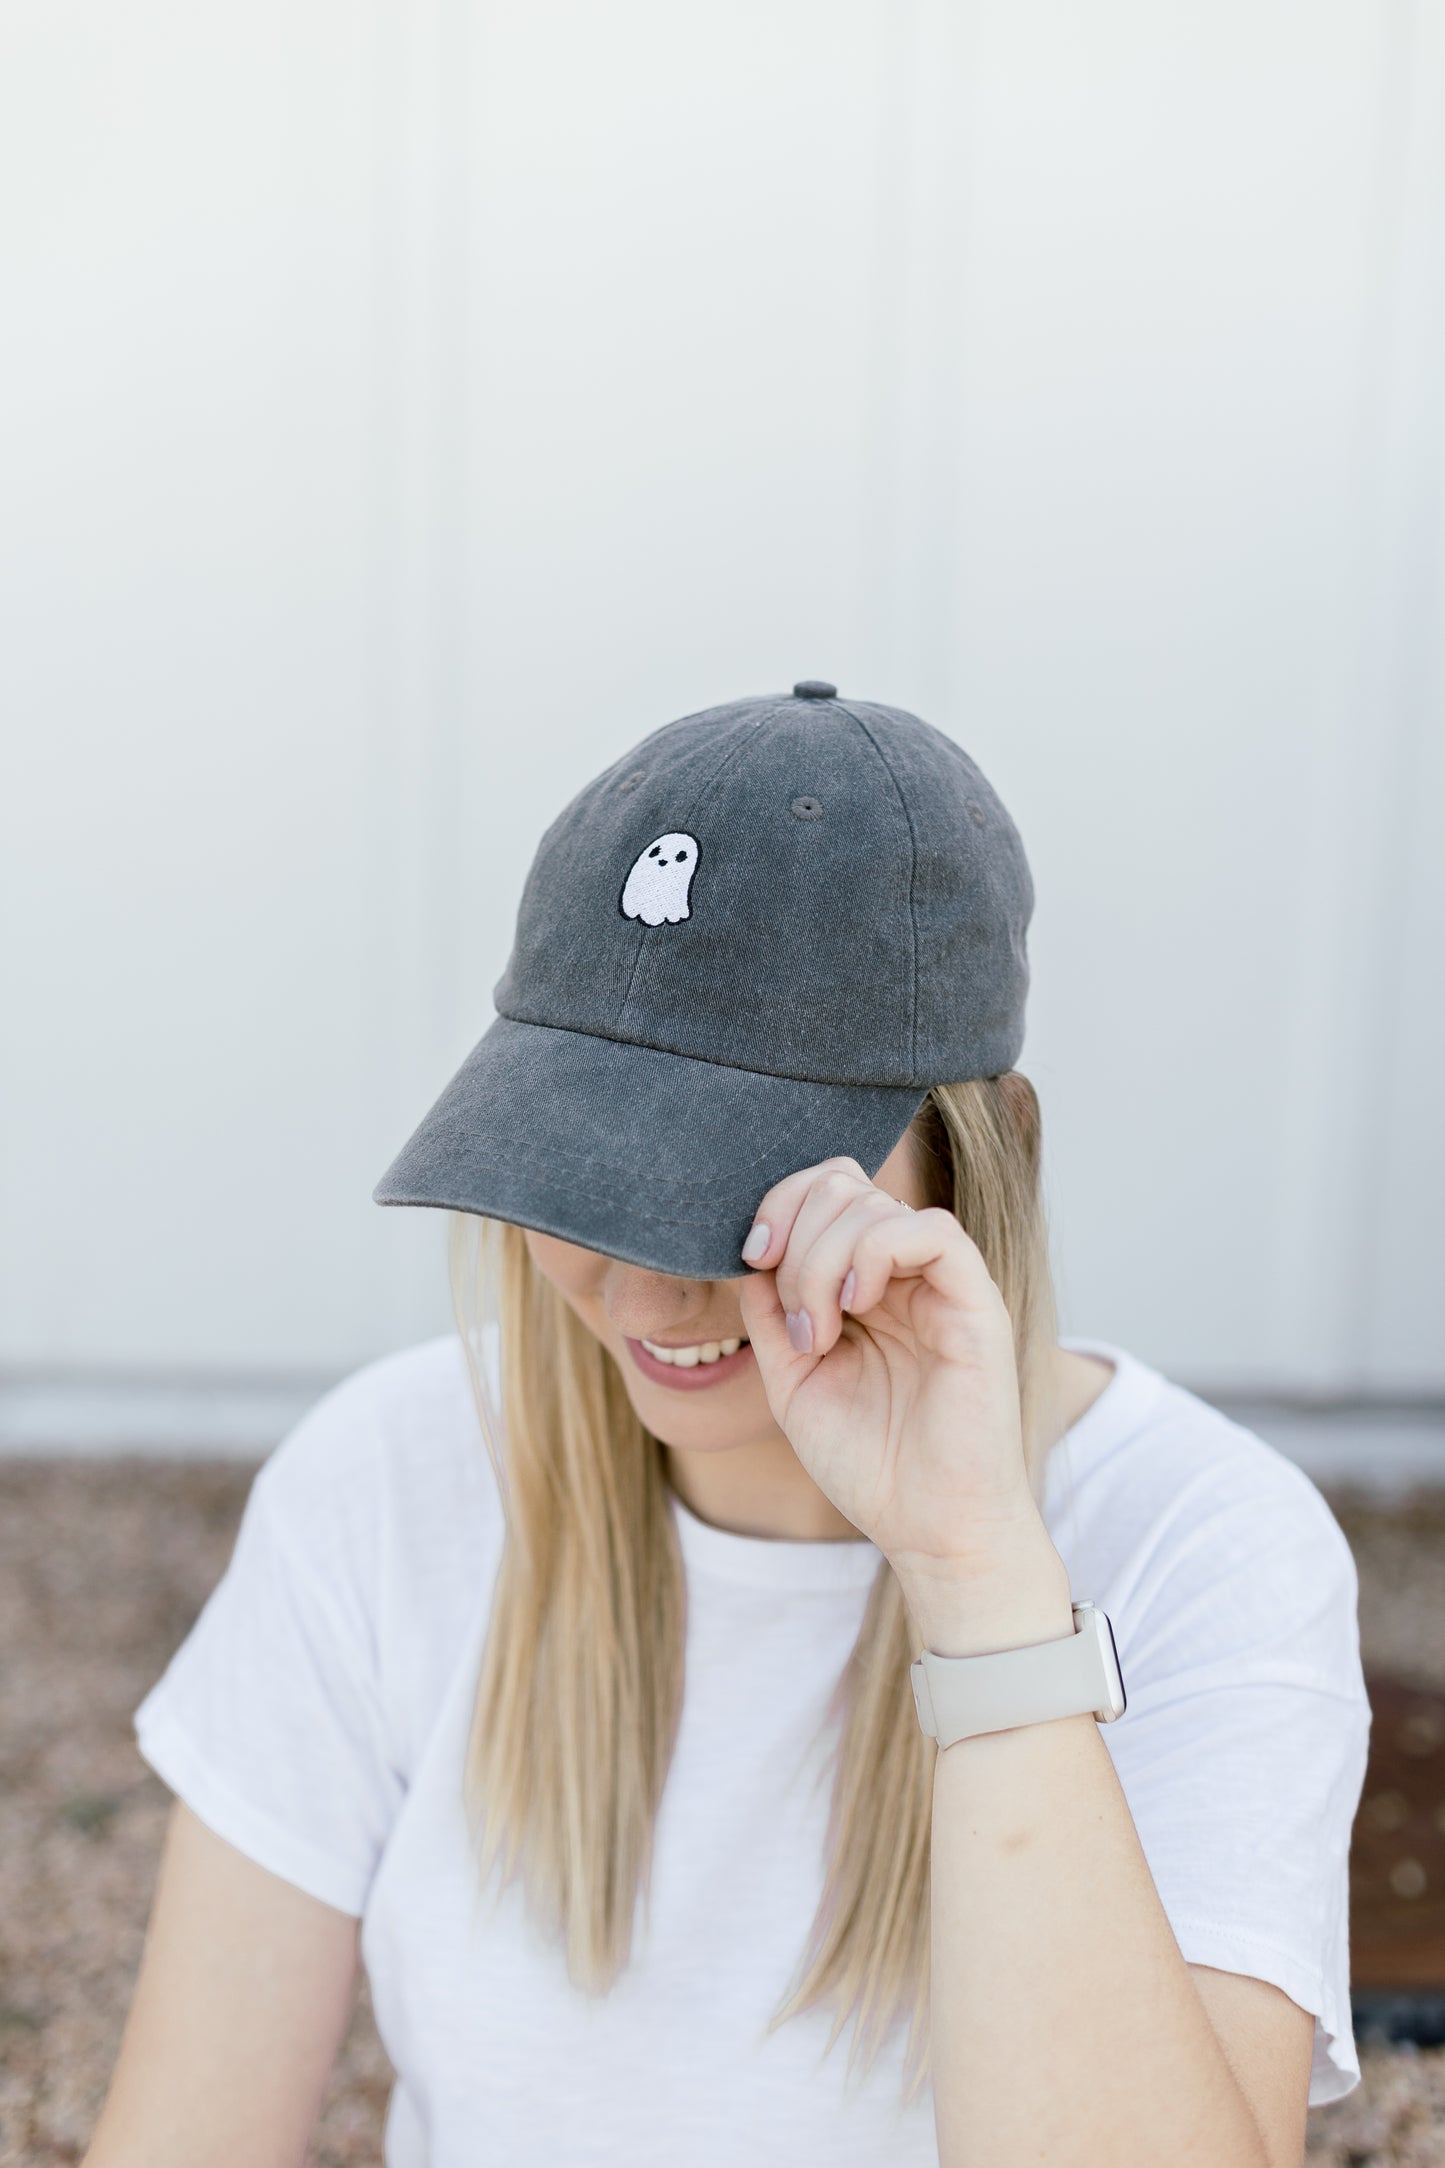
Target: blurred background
410 405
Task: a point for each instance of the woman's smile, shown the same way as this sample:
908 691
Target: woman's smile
693 1366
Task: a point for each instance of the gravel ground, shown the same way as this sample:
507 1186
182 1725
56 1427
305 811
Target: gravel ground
103 1566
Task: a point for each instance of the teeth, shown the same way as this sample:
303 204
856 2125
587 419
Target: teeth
686 1358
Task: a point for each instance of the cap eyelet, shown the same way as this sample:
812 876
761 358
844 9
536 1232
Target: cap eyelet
630 782
806 809
974 811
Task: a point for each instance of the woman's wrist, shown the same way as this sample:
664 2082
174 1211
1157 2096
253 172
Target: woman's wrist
1018 1598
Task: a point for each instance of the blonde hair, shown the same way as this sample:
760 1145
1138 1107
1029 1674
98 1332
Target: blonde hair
581 1681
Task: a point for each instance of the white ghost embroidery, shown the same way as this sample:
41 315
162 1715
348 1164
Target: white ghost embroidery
659 881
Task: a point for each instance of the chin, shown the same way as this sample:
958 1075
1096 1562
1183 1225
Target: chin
714 1422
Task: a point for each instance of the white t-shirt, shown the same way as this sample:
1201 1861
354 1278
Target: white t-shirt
317 1717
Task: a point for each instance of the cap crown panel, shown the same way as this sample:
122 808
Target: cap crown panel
797 956
857 911
972 900
785 963
575 953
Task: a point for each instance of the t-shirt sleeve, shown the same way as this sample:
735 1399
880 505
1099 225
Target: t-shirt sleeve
269 1721
1242 1751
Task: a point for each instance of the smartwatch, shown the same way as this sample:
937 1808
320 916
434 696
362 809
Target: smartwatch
959 1696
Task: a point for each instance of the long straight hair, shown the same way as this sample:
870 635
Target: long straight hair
581 1681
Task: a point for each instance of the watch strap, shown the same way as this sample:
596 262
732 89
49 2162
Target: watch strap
958 1697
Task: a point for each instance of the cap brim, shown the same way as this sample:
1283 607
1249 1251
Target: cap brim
647 1156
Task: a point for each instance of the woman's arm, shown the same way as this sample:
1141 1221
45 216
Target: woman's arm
243 1995
1066 2025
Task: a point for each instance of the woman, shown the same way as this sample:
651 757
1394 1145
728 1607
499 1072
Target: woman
760 1677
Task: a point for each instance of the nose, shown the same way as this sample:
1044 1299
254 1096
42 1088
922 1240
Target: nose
641 1303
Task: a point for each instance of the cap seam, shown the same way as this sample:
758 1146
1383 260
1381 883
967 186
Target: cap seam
635 1215
912 877
778 1076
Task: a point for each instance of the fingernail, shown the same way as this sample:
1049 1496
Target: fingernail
800 1330
757 1242
848 1287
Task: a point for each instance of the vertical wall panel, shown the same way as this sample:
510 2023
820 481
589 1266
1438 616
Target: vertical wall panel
1398 1280
188 516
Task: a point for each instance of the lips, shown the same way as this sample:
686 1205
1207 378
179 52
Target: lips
699 1378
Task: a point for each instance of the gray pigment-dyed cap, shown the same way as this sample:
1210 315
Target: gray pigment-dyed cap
753 942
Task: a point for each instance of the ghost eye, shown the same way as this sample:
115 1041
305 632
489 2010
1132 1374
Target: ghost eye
680 856
653 852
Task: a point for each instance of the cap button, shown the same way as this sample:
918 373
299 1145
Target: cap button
814 689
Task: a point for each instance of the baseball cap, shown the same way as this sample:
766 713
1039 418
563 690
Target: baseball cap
753 942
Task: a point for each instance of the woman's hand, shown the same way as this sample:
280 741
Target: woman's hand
903 1404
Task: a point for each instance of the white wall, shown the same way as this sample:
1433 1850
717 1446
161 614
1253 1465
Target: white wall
412 404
